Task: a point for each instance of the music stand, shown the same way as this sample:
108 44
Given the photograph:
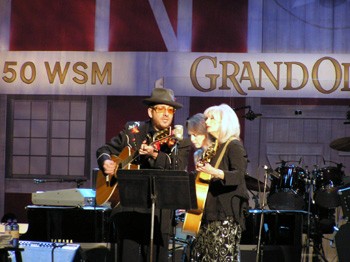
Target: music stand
148 188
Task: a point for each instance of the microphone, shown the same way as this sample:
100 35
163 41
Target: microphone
250 115
178 132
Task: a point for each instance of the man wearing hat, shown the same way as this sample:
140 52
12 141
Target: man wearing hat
132 225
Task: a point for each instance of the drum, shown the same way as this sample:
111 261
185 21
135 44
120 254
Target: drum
328 180
280 236
287 191
280 227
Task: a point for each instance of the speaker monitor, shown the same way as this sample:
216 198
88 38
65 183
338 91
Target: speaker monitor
47 251
270 253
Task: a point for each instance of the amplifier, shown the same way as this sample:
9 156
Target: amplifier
68 224
344 194
47 251
281 235
342 239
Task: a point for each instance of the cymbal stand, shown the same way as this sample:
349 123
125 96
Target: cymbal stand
310 184
309 190
259 253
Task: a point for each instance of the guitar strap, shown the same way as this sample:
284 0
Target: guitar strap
223 152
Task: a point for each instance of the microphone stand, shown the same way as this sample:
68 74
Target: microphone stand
178 135
153 198
175 167
310 185
309 235
262 217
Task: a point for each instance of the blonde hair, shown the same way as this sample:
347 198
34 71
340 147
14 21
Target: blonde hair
230 126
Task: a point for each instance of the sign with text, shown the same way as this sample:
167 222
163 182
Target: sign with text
188 74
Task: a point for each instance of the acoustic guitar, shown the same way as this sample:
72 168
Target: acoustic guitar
193 217
107 185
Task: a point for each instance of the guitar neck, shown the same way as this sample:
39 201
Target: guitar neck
127 160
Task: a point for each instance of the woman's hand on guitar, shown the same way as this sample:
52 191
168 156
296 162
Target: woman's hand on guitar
204 167
209 169
109 167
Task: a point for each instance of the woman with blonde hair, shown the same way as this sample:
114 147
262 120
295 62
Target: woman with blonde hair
227 200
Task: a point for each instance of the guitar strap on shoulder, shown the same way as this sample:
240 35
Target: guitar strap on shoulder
222 152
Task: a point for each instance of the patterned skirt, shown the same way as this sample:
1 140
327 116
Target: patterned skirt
217 241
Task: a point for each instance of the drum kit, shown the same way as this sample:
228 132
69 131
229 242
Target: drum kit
315 193
291 185
291 190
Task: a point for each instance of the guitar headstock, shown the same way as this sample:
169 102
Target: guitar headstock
161 134
210 152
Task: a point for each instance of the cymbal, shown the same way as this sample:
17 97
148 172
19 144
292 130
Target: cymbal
341 144
254 184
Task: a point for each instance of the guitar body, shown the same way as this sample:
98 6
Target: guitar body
108 191
192 223
193 218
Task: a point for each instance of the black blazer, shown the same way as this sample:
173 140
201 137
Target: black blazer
229 197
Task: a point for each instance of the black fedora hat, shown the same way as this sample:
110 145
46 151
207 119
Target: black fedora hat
162 96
